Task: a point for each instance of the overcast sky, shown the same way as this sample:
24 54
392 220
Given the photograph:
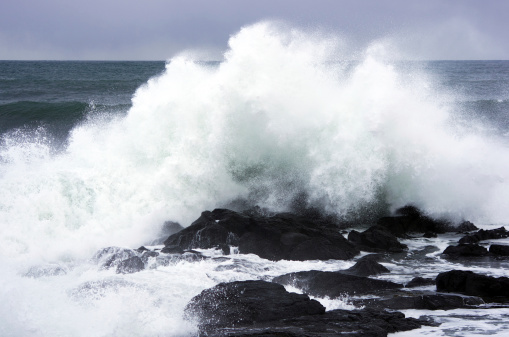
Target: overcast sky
158 29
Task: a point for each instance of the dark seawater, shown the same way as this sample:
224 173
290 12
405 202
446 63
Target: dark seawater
482 88
58 95
99 154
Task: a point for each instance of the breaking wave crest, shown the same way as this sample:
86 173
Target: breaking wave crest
280 119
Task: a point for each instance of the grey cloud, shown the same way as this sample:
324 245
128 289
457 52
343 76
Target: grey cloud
157 29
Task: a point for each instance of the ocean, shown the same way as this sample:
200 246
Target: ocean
99 154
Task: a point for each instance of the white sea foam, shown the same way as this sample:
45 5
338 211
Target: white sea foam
279 118
276 119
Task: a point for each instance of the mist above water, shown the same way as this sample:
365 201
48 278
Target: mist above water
281 117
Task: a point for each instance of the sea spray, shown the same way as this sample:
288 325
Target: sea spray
281 118
278 119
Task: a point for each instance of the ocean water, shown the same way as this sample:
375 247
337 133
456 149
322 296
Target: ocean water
99 154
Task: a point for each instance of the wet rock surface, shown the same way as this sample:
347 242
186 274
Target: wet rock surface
128 261
482 234
262 308
131 265
491 289
426 301
334 284
282 236
246 302
465 249
500 250
366 267
335 323
258 308
420 282
376 239
410 219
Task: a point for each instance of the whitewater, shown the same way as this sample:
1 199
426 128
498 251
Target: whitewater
283 121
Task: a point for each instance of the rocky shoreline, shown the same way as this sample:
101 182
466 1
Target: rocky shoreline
265 308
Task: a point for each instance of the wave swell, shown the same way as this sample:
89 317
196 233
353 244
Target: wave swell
279 120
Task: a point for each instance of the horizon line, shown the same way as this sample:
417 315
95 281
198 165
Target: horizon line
120 60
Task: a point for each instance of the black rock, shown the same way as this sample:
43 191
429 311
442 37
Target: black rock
466 282
247 302
499 250
430 301
131 265
334 284
172 249
334 323
420 282
430 235
482 234
366 267
225 249
409 219
281 236
376 239
466 226
466 250
258 308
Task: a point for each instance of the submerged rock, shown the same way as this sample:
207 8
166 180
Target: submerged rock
376 239
281 236
334 284
466 282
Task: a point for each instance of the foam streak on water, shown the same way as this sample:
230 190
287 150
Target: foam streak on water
283 116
